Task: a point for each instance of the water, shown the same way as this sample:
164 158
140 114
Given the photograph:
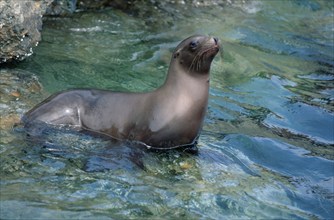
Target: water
266 150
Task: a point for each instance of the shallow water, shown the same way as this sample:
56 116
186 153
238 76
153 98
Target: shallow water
266 150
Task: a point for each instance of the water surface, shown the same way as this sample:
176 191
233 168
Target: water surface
266 150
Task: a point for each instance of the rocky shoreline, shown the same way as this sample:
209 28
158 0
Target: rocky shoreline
20 26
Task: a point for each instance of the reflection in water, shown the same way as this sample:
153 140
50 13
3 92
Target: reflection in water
266 150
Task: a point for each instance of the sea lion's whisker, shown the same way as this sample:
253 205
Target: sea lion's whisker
193 62
199 57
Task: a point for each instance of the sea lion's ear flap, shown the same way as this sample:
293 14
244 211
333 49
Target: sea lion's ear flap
176 54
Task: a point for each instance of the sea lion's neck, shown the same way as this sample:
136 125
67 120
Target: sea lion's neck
180 79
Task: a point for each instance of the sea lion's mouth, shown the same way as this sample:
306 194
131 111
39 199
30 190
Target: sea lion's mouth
203 59
212 51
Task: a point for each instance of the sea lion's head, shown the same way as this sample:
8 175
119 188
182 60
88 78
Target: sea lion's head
196 53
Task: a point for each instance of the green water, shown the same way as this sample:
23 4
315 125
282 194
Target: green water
266 150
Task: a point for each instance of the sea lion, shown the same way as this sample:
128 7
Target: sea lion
168 117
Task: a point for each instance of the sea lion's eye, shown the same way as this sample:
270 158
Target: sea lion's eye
193 44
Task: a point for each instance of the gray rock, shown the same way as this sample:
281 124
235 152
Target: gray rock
20 26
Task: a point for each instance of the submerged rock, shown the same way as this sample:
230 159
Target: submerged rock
20 26
18 91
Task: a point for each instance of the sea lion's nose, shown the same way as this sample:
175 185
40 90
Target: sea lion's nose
216 40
